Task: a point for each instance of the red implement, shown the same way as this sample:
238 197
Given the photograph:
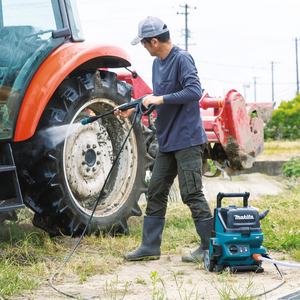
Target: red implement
235 129
237 126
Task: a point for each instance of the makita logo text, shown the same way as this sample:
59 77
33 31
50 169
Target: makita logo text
244 217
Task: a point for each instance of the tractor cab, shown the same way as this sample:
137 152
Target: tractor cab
29 31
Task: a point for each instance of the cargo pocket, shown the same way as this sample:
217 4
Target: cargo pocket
192 171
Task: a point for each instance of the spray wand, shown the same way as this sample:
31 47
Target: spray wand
139 108
134 104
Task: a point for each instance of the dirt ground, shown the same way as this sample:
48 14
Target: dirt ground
256 184
192 281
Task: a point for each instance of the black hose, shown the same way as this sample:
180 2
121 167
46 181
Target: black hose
277 286
114 162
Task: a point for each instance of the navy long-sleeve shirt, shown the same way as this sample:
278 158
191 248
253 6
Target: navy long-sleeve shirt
179 124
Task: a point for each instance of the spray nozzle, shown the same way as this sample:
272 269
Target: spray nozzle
84 121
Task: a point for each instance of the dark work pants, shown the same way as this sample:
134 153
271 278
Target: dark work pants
187 164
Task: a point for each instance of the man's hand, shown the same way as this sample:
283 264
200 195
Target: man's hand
124 113
150 99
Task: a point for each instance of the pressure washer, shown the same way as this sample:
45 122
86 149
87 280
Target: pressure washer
236 236
236 240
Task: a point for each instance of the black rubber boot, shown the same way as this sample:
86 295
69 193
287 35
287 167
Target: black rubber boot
204 228
151 241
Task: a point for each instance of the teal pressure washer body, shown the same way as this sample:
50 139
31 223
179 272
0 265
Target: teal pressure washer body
235 237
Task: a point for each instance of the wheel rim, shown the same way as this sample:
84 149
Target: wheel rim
206 260
88 155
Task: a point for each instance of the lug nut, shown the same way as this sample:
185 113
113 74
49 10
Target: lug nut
98 153
83 152
94 146
88 169
88 146
84 162
98 162
94 169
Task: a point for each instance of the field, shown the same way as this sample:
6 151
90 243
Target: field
284 150
97 270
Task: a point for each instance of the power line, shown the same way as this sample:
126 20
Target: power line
235 66
240 82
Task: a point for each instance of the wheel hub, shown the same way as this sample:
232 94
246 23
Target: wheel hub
90 157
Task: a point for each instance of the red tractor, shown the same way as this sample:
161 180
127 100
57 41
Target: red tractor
50 77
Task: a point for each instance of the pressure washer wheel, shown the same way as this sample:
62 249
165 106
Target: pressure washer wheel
66 179
209 264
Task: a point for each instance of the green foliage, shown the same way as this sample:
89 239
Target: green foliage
156 295
285 121
12 281
281 227
112 292
227 287
212 167
292 168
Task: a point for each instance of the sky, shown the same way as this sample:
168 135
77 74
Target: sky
233 42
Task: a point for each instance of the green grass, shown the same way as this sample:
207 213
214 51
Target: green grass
28 257
228 287
12 281
281 227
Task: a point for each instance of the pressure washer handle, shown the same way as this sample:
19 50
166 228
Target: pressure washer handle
142 109
245 196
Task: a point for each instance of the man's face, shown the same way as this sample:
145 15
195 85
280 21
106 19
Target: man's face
150 46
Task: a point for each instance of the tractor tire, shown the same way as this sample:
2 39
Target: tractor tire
67 176
8 215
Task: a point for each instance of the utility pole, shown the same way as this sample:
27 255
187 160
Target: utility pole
297 78
254 89
272 68
186 30
245 86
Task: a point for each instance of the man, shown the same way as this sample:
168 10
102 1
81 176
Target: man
181 139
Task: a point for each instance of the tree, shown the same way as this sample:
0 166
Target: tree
285 121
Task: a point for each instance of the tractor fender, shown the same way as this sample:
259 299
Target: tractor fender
54 70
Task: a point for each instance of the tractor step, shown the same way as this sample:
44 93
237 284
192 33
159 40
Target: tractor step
10 192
